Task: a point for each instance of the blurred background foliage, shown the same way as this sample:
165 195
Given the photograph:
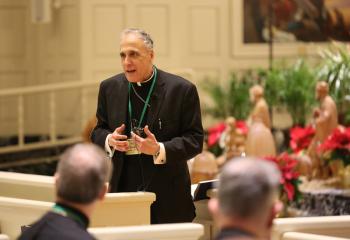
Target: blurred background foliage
229 100
286 86
335 69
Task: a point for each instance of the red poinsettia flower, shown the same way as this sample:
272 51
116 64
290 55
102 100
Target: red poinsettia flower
214 133
242 126
300 138
339 139
337 145
289 189
289 176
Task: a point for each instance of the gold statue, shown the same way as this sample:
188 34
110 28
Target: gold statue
261 109
326 116
232 140
325 120
260 142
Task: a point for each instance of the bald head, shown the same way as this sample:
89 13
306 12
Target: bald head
82 172
248 187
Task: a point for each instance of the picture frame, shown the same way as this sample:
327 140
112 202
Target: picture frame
280 49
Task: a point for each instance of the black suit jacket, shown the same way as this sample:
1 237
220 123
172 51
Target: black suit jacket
234 234
54 226
175 119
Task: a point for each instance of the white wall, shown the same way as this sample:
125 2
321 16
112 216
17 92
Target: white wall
81 44
32 54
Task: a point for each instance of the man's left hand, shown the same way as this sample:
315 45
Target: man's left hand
148 145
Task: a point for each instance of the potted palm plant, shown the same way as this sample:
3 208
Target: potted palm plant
298 91
292 88
232 99
335 69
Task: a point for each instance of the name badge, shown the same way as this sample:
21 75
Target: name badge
132 150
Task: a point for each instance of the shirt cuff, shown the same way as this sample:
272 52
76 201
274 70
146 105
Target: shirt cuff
161 158
108 149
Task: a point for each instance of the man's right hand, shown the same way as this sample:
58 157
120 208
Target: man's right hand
117 140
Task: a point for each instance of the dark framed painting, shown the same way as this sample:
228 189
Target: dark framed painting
298 26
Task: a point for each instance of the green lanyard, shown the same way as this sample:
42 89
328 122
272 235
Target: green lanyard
68 213
147 99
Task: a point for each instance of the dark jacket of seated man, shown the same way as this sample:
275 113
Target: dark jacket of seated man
80 182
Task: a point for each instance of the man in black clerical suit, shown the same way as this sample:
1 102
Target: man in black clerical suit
247 200
149 121
80 181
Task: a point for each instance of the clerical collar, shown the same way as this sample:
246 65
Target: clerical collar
70 212
149 79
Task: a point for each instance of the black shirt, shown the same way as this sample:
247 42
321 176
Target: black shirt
55 226
233 233
138 170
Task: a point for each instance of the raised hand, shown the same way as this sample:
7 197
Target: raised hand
147 145
118 140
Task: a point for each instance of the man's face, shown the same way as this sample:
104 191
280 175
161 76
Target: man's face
136 58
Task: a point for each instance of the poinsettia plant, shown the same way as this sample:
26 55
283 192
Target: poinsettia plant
300 138
215 132
290 177
337 146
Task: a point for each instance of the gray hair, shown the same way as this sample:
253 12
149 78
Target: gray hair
83 170
146 38
247 187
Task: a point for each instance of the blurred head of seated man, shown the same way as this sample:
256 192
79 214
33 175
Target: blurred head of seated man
81 181
247 200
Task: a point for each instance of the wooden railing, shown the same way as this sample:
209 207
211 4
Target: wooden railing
52 89
171 231
117 209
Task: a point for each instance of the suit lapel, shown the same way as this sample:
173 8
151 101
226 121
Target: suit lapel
156 101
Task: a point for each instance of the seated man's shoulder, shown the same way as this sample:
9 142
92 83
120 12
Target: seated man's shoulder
66 228
68 232
54 226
